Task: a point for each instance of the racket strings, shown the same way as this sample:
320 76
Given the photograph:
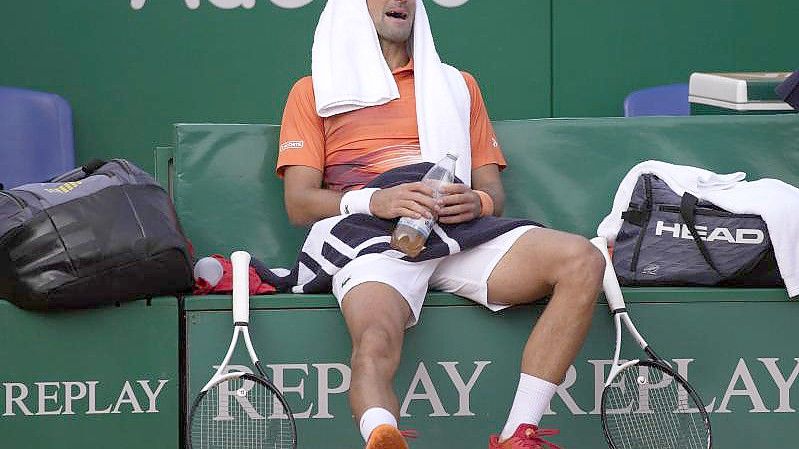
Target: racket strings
646 407
240 414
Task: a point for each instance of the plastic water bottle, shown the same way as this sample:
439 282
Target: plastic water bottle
411 234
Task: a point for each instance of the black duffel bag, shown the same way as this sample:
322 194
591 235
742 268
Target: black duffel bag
100 234
667 239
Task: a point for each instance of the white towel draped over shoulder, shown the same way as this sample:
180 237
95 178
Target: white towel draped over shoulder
349 73
776 201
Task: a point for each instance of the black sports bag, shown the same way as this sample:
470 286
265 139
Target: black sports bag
100 234
671 240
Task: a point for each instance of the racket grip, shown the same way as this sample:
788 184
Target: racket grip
241 286
610 283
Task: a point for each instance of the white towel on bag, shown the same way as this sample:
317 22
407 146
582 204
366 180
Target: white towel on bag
775 201
349 73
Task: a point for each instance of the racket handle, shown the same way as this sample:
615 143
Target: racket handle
241 286
610 284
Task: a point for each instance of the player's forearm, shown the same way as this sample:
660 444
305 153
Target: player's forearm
307 206
497 194
487 179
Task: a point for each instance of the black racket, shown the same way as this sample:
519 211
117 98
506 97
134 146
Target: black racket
645 403
237 409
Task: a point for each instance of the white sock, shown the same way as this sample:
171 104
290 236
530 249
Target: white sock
531 401
374 417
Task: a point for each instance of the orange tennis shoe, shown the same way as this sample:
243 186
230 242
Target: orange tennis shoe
527 436
386 436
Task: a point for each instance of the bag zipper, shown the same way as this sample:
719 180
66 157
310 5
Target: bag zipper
124 164
706 211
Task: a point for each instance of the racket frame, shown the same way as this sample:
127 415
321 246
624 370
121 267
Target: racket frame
615 299
240 261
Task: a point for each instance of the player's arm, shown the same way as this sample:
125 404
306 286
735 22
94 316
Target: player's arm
307 201
487 179
301 159
461 203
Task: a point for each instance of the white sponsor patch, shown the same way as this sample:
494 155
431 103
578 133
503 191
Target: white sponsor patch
292 144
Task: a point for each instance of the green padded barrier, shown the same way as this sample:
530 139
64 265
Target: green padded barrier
562 172
227 195
738 368
94 379
565 172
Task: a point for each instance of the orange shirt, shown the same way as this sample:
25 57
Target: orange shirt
352 148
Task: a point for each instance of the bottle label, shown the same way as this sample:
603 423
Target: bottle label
422 225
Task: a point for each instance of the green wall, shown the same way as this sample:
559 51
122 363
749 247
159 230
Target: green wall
602 52
129 73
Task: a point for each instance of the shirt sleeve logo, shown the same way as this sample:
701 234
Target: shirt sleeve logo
292 144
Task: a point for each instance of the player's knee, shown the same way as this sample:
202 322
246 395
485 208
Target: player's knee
376 345
584 263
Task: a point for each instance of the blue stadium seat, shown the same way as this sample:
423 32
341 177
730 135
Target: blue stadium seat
36 141
669 99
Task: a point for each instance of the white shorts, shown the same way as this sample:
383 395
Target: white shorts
465 273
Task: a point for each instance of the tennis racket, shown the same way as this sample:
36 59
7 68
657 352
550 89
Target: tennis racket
645 403
238 409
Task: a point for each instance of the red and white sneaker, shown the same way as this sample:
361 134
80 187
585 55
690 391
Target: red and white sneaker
386 436
527 436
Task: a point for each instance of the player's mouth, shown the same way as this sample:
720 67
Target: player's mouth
397 14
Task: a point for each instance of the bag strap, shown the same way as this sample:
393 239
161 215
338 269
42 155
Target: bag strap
81 172
641 219
687 212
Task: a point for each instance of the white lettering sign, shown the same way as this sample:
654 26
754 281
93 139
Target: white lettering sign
428 394
750 390
464 388
455 381
783 385
324 388
80 397
287 4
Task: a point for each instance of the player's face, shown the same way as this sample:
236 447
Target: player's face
393 18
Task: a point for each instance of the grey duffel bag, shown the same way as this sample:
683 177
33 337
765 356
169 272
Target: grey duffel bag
100 234
667 239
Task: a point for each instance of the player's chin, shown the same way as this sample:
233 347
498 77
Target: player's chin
398 33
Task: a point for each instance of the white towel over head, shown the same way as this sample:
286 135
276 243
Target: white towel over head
349 73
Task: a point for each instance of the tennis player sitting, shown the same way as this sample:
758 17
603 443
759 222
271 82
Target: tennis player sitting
379 98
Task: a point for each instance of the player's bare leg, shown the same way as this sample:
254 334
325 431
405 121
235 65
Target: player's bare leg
568 268
376 316
546 262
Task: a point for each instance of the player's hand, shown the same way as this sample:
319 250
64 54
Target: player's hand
458 204
412 200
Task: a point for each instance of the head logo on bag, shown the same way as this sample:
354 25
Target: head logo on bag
743 236
65 187
650 270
